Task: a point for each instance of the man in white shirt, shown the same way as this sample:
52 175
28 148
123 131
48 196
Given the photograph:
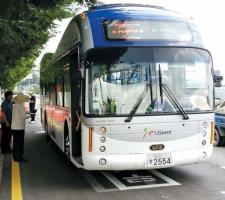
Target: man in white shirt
18 126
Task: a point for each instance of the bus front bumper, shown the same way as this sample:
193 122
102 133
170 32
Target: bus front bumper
145 161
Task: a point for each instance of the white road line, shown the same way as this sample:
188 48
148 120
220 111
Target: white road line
167 179
222 192
121 186
223 167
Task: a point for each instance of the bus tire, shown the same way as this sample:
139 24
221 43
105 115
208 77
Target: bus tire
218 139
66 142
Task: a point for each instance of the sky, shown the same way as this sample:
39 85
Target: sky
207 14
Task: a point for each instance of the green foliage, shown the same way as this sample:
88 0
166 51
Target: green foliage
15 74
46 59
45 63
25 26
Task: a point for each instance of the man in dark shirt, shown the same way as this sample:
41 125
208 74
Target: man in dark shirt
6 108
32 106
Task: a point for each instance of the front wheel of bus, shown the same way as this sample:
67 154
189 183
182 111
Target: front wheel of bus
218 139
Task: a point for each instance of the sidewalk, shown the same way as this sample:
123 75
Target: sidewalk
28 129
34 126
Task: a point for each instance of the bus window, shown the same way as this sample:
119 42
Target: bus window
59 92
117 77
67 91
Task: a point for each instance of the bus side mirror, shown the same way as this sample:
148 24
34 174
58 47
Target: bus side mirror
218 80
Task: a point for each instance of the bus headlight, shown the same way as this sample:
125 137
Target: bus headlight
102 139
102 161
204 124
102 130
102 148
203 142
204 155
204 133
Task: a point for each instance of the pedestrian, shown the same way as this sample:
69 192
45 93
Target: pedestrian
32 106
19 116
6 108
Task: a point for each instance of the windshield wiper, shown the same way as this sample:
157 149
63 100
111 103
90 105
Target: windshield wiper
173 99
160 85
137 104
170 96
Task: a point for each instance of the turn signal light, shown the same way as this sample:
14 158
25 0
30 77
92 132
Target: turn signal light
212 133
90 139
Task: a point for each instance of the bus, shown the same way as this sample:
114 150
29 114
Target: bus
129 87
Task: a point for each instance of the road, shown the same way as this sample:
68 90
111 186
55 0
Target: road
49 176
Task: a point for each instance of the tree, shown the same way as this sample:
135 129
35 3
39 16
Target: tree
25 26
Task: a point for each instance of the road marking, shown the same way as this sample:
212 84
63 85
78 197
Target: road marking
16 185
223 167
108 181
222 192
162 182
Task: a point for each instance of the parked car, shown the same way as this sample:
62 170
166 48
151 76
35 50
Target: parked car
219 95
219 131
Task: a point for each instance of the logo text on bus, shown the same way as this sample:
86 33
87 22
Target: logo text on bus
152 132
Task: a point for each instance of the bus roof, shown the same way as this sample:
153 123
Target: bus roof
135 12
111 8
88 28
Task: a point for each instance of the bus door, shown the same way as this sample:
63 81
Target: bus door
58 110
75 79
49 110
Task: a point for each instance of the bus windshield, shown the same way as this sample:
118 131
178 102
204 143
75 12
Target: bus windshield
121 79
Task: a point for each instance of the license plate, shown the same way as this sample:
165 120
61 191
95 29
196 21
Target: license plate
159 160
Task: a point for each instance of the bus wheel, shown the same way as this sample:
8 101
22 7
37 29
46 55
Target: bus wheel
218 140
67 146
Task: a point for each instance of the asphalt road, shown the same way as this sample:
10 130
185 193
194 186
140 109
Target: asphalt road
49 176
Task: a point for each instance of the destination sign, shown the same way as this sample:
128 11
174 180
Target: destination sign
147 30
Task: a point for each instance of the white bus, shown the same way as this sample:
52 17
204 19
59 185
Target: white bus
129 87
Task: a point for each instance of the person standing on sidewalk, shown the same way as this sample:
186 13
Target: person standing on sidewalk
19 116
6 108
32 107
